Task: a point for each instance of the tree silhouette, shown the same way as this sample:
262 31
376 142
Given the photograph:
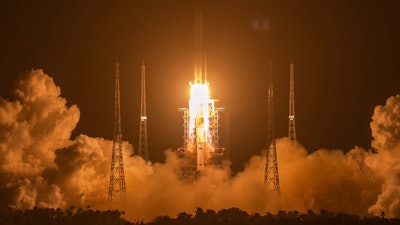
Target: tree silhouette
231 216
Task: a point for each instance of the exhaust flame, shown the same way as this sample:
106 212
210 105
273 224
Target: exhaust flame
199 109
201 119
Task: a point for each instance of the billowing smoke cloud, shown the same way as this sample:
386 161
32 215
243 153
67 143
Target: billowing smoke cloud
326 179
385 127
41 166
32 126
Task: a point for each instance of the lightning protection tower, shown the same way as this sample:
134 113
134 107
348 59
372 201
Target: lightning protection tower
143 144
271 177
292 121
117 188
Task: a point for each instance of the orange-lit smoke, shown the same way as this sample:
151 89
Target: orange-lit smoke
385 127
41 166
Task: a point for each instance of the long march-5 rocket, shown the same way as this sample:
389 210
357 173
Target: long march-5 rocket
201 118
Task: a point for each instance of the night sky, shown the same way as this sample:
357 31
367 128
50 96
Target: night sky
346 55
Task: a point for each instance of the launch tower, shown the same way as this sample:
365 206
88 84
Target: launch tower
201 119
292 121
117 188
143 144
271 177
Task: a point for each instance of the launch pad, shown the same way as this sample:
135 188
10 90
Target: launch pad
201 140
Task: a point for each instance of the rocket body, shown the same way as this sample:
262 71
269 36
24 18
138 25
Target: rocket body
199 122
201 117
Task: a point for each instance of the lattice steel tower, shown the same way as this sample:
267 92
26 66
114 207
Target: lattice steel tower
117 188
292 121
271 177
143 144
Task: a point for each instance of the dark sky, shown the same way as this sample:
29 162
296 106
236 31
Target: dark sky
346 54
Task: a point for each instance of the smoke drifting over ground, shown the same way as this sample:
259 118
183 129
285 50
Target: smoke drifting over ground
32 127
41 166
385 127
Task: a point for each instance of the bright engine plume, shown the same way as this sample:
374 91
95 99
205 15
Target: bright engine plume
200 107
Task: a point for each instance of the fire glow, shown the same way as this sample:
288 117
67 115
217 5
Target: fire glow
201 118
199 109
201 134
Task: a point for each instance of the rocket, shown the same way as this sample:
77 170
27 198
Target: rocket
201 118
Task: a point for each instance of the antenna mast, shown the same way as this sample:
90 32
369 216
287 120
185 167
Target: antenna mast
292 121
117 188
271 177
143 143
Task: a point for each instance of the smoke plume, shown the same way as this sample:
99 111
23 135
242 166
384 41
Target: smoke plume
32 126
385 127
42 166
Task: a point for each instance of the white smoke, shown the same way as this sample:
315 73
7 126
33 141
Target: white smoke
83 168
41 166
32 126
326 179
385 127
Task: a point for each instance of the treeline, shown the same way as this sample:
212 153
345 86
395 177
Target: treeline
235 216
71 216
232 216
